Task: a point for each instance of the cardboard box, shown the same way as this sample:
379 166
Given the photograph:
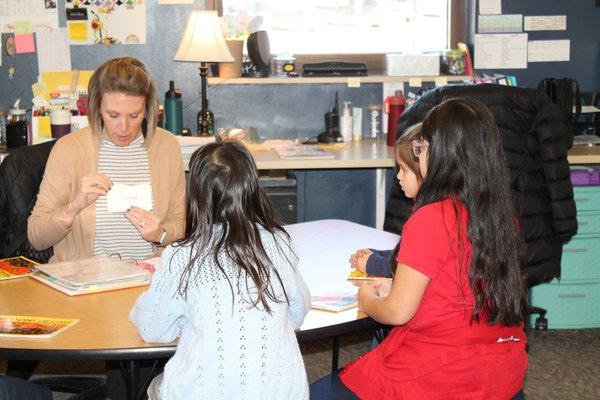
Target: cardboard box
412 64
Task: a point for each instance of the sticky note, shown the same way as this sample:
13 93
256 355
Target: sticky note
78 31
24 43
23 26
354 82
415 82
441 81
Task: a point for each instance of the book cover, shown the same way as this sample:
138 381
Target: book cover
92 275
15 267
33 327
335 300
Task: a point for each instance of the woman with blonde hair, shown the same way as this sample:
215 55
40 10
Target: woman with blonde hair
122 144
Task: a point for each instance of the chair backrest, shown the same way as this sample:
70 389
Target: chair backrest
21 173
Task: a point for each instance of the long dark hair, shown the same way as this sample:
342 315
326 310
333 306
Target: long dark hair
225 207
466 162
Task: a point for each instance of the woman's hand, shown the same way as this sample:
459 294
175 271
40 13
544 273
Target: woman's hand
92 187
146 222
359 259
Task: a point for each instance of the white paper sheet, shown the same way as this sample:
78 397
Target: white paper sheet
121 197
549 50
501 51
503 23
546 23
39 12
53 51
490 6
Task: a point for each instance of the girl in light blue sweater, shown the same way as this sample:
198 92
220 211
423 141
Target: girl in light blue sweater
230 291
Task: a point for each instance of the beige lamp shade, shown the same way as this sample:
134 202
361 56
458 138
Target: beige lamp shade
203 40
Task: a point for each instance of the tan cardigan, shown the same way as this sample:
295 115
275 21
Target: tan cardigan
76 155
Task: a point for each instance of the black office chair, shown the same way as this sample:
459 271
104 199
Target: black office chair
589 122
21 173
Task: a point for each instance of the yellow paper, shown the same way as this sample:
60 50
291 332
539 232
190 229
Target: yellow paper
415 82
60 82
78 31
38 89
23 26
44 127
441 81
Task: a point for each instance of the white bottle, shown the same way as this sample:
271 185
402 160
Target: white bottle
346 122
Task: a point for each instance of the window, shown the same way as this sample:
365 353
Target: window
343 26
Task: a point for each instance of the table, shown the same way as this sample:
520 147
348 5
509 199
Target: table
105 333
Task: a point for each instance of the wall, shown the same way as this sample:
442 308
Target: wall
290 111
583 29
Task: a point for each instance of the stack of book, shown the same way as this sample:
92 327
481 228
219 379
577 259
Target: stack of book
91 275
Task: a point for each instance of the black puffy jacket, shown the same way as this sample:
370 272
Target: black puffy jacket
533 138
20 175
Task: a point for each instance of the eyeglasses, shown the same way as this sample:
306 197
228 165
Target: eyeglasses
418 147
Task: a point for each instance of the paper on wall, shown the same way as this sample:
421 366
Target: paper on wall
33 13
549 50
175 1
546 23
121 197
503 23
506 50
490 6
53 53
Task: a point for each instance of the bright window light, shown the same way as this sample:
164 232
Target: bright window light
342 26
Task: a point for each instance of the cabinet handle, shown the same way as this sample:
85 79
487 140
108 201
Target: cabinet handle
573 250
582 222
580 200
572 295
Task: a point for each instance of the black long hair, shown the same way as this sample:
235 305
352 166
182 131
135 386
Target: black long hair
225 208
465 161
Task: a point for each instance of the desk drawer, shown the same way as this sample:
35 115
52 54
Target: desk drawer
569 306
581 260
589 223
587 198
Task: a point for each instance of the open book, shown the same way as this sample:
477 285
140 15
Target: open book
334 300
33 327
97 274
15 267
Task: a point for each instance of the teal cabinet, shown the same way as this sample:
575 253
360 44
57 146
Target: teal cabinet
574 301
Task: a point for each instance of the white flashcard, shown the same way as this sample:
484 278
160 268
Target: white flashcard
546 23
121 197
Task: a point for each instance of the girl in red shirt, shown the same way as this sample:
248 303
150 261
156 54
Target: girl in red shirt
457 300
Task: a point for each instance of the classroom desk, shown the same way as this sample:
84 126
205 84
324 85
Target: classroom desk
105 333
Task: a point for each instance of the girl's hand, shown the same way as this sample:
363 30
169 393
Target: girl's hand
359 259
146 222
383 286
92 187
366 290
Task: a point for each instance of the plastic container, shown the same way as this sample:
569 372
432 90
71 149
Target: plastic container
585 176
173 110
346 122
16 128
394 107
453 62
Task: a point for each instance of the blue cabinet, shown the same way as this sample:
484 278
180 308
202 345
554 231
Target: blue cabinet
574 301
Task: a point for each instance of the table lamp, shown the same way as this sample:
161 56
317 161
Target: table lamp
203 42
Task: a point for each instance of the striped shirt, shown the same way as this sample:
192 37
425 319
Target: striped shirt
114 232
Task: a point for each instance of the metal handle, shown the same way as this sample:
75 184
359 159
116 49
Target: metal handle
572 295
580 200
572 250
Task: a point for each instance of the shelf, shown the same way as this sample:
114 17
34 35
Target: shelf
350 80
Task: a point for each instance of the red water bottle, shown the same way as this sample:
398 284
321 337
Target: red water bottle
393 107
